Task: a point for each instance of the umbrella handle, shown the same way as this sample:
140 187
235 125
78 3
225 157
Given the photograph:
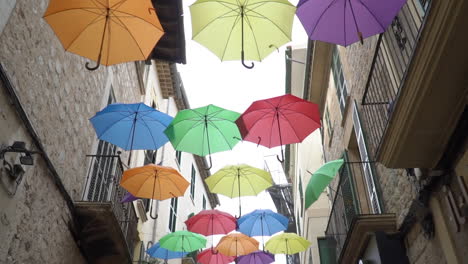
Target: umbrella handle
282 155
151 212
98 63
243 62
211 164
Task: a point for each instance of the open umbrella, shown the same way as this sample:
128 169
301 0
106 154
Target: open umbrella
344 22
257 257
107 31
237 244
287 243
156 251
154 182
210 256
320 179
131 126
279 120
183 241
128 197
262 222
204 130
211 222
239 180
241 29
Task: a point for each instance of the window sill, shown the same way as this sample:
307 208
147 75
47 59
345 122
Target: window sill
344 115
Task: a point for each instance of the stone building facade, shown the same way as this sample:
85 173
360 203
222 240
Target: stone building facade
403 186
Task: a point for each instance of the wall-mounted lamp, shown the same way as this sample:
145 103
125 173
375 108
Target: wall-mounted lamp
15 172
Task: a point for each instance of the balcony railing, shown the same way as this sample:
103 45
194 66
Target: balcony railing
345 208
102 186
392 58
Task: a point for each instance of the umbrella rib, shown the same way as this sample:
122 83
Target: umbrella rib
271 21
109 127
229 37
193 126
85 9
296 112
212 21
94 21
373 15
320 18
150 130
254 37
136 17
289 122
133 37
344 20
221 133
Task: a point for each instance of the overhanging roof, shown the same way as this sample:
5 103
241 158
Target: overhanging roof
171 47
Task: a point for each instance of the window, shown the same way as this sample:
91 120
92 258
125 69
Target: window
338 77
173 214
366 165
204 202
329 124
178 155
192 183
301 195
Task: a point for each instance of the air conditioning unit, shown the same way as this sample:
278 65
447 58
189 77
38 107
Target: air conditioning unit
141 211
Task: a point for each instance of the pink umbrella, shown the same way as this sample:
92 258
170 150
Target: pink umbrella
211 256
211 222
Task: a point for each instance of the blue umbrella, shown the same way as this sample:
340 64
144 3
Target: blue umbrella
262 222
158 252
132 126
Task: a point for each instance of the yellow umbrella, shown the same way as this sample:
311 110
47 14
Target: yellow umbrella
107 31
154 182
237 244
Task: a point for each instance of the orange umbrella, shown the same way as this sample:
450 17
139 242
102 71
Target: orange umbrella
107 31
237 244
154 182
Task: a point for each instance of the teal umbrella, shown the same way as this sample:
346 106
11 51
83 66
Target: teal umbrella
320 179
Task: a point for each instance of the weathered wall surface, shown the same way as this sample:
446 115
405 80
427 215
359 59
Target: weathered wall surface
59 95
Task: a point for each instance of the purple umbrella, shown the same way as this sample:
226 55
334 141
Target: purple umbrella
257 257
344 22
128 197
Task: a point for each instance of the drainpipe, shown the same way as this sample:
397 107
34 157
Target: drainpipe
74 227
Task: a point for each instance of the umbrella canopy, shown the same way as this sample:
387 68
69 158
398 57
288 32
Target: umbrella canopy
204 130
183 241
211 222
320 179
128 197
131 126
279 120
239 180
243 29
287 243
210 256
107 31
154 182
237 244
344 22
156 251
257 257
262 222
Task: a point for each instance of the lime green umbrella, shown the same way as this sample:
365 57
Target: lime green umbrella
320 179
287 243
204 130
226 26
239 180
183 241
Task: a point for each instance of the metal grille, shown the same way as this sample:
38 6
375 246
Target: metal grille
393 55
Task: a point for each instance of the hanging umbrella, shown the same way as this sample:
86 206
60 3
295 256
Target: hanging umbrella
107 31
279 120
183 241
156 251
131 126
344 22
204 130
262 222
128 197
211 222
154 182
287 243
241 29
320 179
257 257
239 180
237 244
210 256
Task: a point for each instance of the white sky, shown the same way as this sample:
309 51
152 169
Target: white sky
207 80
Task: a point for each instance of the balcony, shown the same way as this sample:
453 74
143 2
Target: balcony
416 87
108 227
350 220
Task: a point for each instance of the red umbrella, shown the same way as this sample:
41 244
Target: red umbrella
278 121
211 256
211 222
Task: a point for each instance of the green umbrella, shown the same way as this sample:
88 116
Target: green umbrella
204 130
183 241
239 180
226 26
320 179
287 243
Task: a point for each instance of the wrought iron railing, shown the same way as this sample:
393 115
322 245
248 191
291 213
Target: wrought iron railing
102 186
345 208
392 58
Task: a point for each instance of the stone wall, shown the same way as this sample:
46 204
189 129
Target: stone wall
59 95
